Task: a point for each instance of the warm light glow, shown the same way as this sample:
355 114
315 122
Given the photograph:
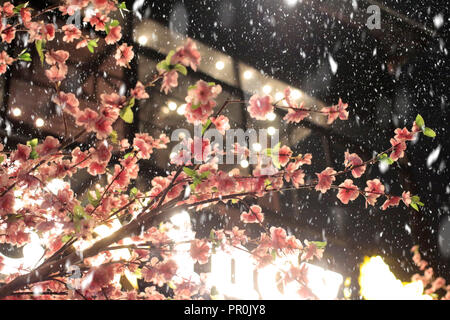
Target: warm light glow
142 40
267 89
165 110
220 65
16 112
248 74
181 109
172 105
377 282
271 116
39 122
271 131
296 94
244 163
279 96
257 147
291 3
56 185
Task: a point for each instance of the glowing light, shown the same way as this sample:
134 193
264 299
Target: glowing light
271 116
244 163
256 147
220 65
165 110
271 131
291 3
377 282
16 112
248 74
296 94
172 106
267 89
56 185
279 96
142 40
32 253
39 122
173 155
181 109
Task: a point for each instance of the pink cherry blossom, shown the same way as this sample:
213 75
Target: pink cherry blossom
53 57
114 35
139 91
311 251
170 80
71 33
5 60
254 215
200 251
98 21
373 191
284 155
187 55
403 135
406 198
124 54
353 161
202 93
49 146
259 107
295 115
391 202
278 236
336 111
21 154
7 203
398 151
55 74
221 123
8 9
8 34
347 191
87 119
326 178
68 102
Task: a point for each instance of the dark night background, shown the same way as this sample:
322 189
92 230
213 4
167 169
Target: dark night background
386 76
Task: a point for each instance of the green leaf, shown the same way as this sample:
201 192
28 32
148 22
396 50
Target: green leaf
169 57
414 206
211 84
195 106
127 114
133 192
17 8
419 121
123 6
79 212
25 56
131 102
127 155
320 244
114 23
191 173
206 126
205 175
192 87
113 136
274 254
163 66
181 69
33 142
66 238
429 133
2 158
40 44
